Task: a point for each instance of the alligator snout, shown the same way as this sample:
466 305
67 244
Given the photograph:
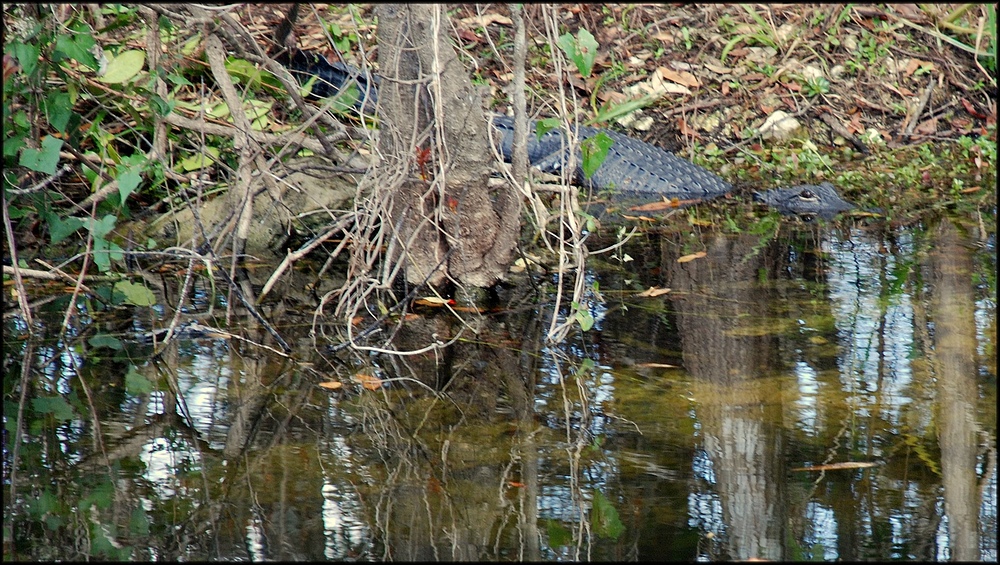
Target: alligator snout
805 200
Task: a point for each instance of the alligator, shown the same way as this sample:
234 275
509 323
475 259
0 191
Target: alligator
805 200
633 171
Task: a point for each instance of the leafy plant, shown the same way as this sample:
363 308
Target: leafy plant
686 36
582 316
815 86
870 48
41 122
760 35
604 518
595 151
582 50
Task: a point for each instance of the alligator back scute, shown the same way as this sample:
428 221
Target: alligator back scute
546 154
642 171
633 169
331 78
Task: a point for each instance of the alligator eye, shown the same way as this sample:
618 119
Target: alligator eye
807 194
807 218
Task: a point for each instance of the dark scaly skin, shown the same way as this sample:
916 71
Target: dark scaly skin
805 200
632 171
637 171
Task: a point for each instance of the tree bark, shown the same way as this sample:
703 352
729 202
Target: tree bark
437 157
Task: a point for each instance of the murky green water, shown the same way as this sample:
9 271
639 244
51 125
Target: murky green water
683 426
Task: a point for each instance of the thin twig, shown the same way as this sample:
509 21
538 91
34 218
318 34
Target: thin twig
42 183
292 257
22 297
79 280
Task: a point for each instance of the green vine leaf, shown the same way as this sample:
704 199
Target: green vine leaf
582 50
124 67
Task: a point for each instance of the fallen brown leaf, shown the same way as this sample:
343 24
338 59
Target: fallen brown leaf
686 130
369 382
685 78
484 20
972 110
665 36
718 69
928 127
855 125
916 64
638 218
691 257
656 206
433 301
653 291
838 466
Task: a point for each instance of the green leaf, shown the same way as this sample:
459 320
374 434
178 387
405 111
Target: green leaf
582 50
53 522
160 106
341 41
77 45
258 109
138 524
583 317
105 340
137 383
27 57
191 45
44 504
124 67
100 545
558 534
43 160
586 365
220 110
55 405
178 80
128 181
135 294
610 112
102 227
21 120
13 144
58 109
105 252
102 495
543 127
595 151
345 99
247 72
60 229
604 517
208 158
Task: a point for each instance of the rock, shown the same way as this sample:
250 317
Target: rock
307 200
779 126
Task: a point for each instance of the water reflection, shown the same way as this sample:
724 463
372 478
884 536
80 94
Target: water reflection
678 428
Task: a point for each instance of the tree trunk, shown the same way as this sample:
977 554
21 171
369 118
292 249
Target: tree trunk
437 157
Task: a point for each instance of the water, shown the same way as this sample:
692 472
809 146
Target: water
691 425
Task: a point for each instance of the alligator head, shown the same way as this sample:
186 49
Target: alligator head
807 200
